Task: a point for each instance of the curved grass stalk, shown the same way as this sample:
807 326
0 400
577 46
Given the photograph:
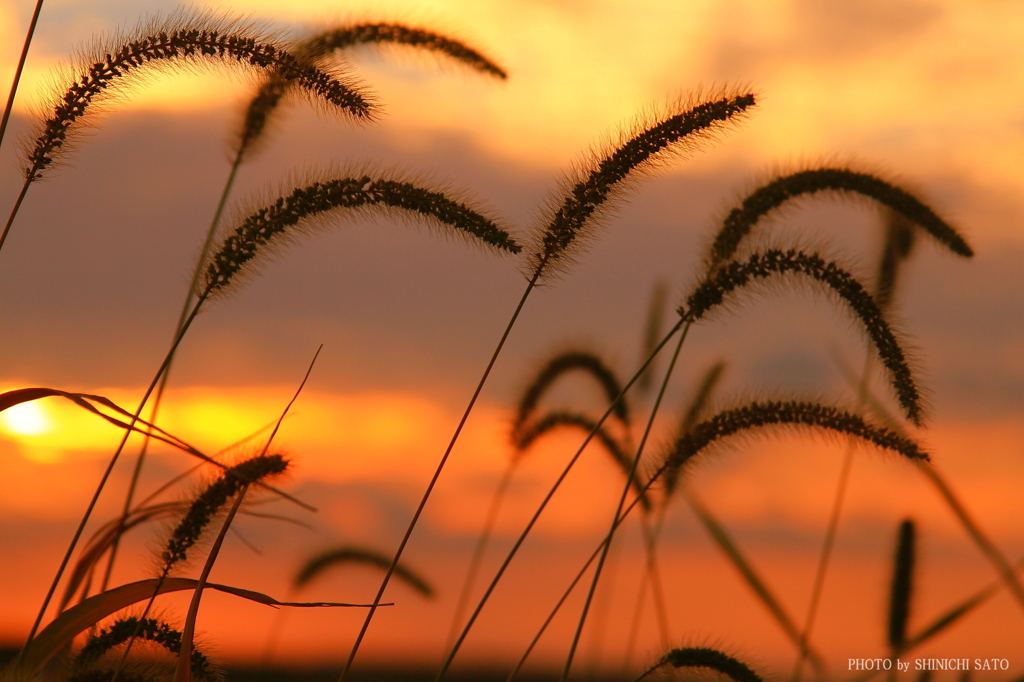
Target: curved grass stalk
319 563
600 181
18 69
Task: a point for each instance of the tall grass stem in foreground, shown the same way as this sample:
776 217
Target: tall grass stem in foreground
622 499
595 186
18 70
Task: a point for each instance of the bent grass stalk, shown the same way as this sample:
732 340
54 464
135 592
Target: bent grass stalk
584 198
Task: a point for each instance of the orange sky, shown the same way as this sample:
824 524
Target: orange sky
925 91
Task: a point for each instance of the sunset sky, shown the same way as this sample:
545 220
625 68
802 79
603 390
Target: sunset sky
927 94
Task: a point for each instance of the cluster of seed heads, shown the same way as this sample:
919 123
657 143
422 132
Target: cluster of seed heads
272 221
712 291
795 413
212 500
590 193
148 629
742 219
184 44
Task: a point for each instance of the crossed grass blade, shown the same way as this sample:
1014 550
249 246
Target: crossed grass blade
18 69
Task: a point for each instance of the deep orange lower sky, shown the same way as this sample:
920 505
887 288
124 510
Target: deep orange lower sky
91 279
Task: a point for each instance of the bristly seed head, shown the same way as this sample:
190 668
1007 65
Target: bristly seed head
149 629
795 413
186 40
594 190
312 51
273 221
742 219
212 500
735 275
704 657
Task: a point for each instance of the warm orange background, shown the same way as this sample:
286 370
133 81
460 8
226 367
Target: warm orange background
91 278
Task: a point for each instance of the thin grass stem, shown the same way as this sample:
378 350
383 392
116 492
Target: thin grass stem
478 552
622 500
543 505
437 474
17 73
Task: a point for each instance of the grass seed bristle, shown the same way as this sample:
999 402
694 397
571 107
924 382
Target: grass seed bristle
212 500
183 39
736 275
758 415
149 629
313 201
742 219
599 180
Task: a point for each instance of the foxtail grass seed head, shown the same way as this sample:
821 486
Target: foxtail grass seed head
558 419
595 185
315 202
274 88
564 363
736 275
149 629
186 40
763 414
902 585
212 500
340 556
704 657
742 219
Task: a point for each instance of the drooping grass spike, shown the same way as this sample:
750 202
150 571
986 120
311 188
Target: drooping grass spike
561 419
599 181
212 500
183 39
319 563
314 49
564 363
902 586
149 629
704 657
762 201
736 275
313 204
762 414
